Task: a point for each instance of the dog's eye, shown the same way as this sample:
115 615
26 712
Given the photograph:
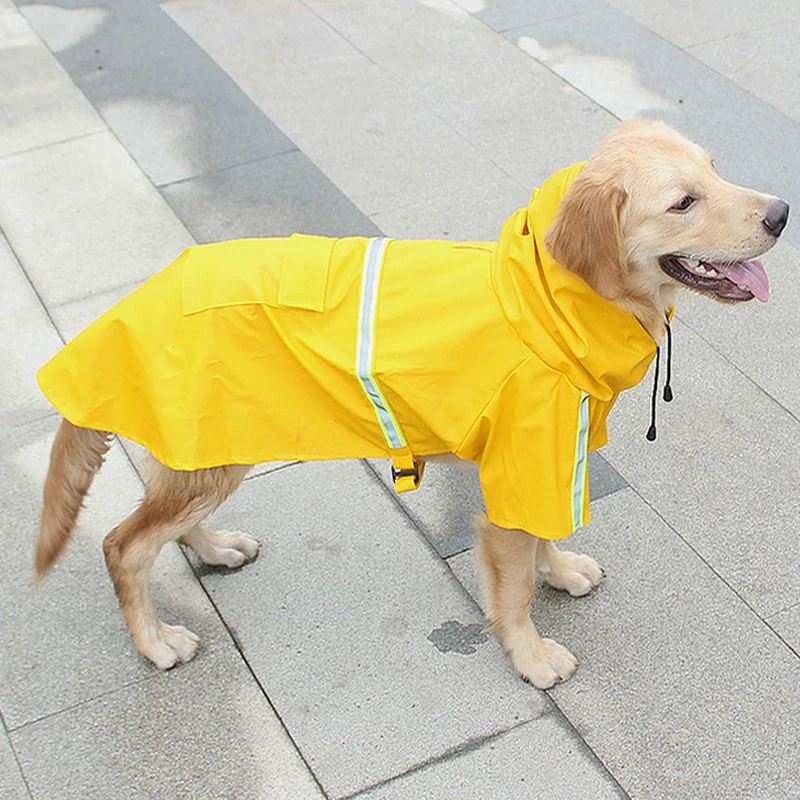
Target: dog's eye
684 204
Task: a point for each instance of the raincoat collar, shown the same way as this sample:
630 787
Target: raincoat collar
599 347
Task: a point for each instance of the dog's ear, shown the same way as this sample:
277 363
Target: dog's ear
586 236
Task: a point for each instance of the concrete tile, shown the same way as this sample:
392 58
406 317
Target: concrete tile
65 642
273 197
465 567
760 339
12 23
630 71
27 340
295 36
450 496
202 731
431 51
335 617
787 625
721 472
686 23
501 15
543 758
12 784
39 104
383 145
756 60
474 213
73 316
677 675
171 106
82 218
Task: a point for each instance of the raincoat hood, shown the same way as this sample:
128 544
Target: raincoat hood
598 346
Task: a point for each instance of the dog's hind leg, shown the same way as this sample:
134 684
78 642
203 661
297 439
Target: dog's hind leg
508 571
570 572
174 503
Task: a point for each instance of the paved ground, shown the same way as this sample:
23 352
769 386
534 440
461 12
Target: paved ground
349 659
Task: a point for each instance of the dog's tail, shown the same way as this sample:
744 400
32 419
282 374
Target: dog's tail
76 457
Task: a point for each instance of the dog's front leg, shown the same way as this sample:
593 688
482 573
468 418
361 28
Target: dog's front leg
508 571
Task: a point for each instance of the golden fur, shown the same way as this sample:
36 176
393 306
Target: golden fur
620 216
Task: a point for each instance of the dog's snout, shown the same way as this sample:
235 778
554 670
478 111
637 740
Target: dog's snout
775 217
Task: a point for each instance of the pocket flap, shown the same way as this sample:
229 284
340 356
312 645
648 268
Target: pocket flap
304 272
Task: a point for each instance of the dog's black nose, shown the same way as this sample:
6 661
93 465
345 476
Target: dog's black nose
776 216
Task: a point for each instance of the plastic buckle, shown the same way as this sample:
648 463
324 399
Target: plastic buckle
405 480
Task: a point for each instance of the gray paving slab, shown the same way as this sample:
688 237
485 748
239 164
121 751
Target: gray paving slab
39 104
83 219
450 496
383 145
171 106
502 15
202 731
272 197
477 214
756 60
630 71
787 625
72 317
540 760
370 651
66 642
27 340
518 123
722 471
682 691
12 784
12 24
686 23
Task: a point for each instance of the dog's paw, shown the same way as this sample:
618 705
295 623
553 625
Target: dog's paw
545 665
172 644
224 548
572 573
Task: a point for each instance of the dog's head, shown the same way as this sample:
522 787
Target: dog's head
649 213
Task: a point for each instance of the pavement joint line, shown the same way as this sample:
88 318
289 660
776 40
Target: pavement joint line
373 475
32 284
236 643
431 107
263 473
790 607
568 722
716 573
557 18
57 143
736 34
127 286
228 167
466 747
155 674
16 757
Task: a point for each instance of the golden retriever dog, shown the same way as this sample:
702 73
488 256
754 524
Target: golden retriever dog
647 215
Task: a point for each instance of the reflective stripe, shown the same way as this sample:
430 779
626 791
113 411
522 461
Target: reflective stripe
581 463
373 263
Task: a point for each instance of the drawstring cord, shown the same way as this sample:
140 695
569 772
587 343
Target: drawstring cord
651 431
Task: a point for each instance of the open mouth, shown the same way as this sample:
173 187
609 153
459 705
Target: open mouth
736 281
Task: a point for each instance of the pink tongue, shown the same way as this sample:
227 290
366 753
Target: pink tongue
750 274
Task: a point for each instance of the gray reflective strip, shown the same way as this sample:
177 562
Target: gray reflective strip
373 262
581 463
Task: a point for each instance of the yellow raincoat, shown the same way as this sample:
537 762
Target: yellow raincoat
313 348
